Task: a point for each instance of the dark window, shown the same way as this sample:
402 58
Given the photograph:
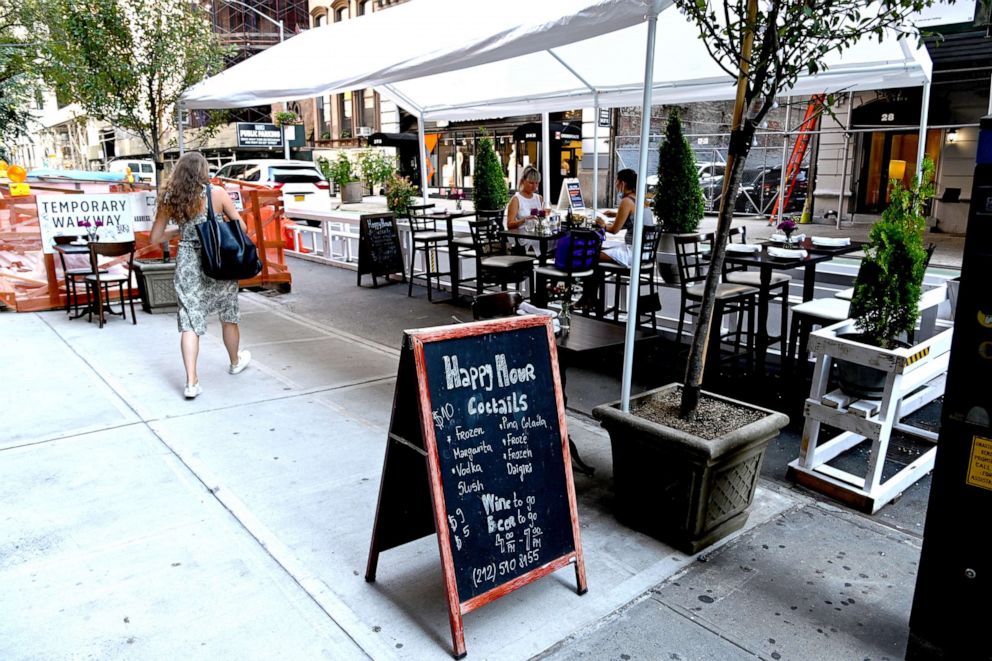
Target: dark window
340 14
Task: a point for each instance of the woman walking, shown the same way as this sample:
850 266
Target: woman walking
183 201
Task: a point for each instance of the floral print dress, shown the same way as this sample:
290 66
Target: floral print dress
200 295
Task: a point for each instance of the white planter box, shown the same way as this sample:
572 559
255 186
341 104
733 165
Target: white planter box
914 378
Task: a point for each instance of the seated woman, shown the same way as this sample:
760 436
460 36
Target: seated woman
525 204
617 251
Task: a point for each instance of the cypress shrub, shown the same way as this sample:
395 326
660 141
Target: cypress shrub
490 189
678 198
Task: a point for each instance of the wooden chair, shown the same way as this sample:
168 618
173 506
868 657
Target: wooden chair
778 285
619 276
737 299
99 282
493 264
463 246
425 238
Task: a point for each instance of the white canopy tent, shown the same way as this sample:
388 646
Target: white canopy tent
519 57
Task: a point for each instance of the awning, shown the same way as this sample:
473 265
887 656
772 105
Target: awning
393 140
556 130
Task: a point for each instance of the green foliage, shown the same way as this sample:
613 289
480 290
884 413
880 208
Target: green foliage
399 194
18 77
678 199
789 38
376 167
341 171
491 190
889 285
128 62
285 118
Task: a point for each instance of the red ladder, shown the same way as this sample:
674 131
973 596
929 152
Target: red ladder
798 153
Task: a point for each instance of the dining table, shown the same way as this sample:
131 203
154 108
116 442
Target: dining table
766 264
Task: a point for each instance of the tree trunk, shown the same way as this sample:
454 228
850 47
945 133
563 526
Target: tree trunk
742 132
700 338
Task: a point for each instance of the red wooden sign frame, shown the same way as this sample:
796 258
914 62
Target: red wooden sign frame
456 607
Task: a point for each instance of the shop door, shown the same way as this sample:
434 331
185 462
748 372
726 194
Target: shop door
887 157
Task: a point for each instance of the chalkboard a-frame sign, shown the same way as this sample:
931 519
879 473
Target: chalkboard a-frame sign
379 251
478 453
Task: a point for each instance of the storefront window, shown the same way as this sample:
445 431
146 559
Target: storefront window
344 115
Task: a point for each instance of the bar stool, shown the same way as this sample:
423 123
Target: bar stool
619 276
808 316
464 247
737 299
579 263
493 263
425 238
778 285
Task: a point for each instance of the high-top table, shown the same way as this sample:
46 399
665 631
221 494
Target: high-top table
765 263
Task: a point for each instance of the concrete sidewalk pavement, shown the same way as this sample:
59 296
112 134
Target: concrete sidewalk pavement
141 525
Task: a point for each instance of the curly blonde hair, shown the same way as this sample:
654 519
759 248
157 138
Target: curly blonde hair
182 195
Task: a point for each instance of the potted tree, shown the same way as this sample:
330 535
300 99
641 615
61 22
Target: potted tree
678 199
342 172
887 292
491 191
766 51
376 168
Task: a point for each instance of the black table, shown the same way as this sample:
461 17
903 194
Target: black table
543 240
453 262
766 264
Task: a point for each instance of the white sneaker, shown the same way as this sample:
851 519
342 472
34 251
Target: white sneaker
192 390
244 357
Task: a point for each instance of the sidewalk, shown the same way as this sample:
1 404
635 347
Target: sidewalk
140 525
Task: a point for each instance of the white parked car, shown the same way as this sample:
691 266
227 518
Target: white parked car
143 170
302 184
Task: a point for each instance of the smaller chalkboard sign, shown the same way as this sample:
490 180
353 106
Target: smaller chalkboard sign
478 453
379 252
570 196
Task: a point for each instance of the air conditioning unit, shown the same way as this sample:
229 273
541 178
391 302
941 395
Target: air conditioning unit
363 131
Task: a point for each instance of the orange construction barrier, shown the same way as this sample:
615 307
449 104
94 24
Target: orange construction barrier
31 280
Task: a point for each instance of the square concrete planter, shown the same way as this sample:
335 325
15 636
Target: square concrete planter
156 283
351 193
677 487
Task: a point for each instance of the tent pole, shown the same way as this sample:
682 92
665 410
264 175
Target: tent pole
422 140
785 152
595 155
921 148
847 148
179 127
635 263
545 157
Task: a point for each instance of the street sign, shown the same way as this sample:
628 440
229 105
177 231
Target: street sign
259 135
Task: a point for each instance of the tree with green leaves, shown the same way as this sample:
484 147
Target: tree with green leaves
127 62
678 198
490 189
18 78
765 50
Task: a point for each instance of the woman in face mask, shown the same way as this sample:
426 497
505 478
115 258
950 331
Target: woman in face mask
616 250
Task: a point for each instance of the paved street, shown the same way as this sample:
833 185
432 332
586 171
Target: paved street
140 525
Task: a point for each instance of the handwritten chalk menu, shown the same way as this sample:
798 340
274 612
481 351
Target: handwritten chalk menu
379 251
60 215
480 406
570 196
